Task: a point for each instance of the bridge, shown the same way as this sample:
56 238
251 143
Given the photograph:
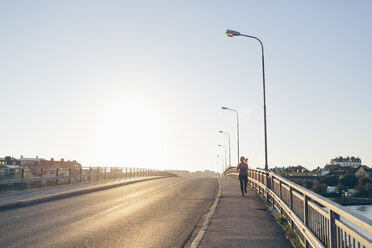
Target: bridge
137 207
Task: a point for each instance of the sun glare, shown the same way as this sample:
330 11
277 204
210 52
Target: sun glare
133 132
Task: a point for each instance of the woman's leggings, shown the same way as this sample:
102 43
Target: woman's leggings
241 179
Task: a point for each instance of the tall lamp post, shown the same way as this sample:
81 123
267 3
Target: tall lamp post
225 155
223 161
237 127
228 135
232 33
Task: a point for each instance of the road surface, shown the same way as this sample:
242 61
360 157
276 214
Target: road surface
157 213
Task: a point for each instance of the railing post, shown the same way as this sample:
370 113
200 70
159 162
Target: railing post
291 202
90 173
97 173
280 197
69 175
81 173
332 228
126 173
57 176
104 174
306 217
111 173
251 175
272 185
267 186
121 173
41 176
22 177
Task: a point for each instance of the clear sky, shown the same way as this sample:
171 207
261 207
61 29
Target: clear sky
141 83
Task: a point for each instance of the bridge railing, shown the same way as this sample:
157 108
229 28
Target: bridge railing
31 177
318 221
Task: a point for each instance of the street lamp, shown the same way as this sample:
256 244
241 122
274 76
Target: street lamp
229 146
219 167
237 128
225 155
232 33
223 161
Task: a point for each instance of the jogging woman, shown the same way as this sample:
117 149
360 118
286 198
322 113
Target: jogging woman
243 174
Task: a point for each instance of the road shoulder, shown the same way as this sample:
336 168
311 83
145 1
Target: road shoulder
9 201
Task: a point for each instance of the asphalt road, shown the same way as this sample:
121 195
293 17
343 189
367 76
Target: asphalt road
157 213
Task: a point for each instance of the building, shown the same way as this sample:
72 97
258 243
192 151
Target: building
31 163
346 162
9 162
363 172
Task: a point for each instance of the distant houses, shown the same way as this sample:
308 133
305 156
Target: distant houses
349 165
34 163
343 176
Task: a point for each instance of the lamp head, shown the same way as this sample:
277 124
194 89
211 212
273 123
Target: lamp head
224 108
232 33
220 131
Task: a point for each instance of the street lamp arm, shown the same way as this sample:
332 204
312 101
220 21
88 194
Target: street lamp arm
253 37
234 111
237 114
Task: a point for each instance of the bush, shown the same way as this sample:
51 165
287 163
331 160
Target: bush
319 188
290 233
364 188
330 180
349 180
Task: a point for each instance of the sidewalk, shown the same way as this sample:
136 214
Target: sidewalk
16 198
242 221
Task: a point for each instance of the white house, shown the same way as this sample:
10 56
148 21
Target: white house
347 162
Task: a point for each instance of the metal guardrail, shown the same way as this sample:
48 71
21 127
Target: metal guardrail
31 177
317 221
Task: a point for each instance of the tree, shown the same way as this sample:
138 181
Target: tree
308 184
349 180
332 167
330 180
368 189
320 188
364 180
364 187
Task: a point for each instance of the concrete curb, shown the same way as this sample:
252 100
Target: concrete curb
71 193
207 222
